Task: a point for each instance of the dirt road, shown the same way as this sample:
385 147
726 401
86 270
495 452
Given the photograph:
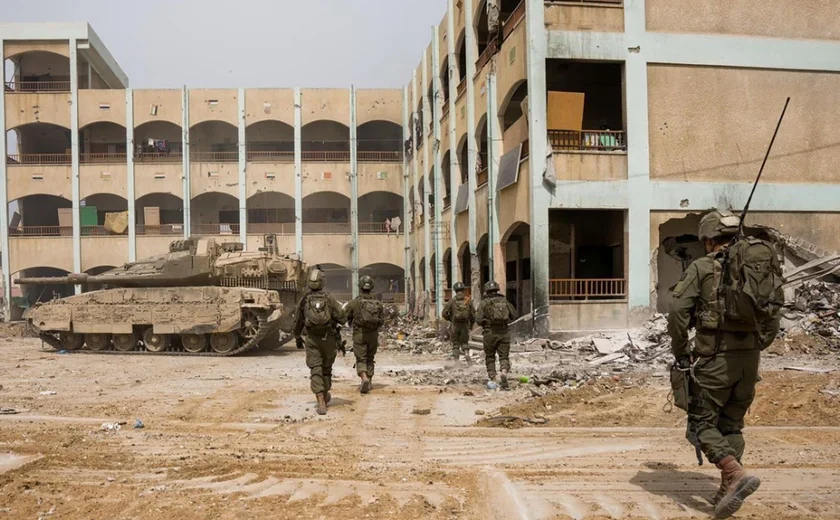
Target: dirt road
238 438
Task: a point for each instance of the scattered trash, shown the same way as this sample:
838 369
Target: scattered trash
479 412
111 427
524 380
421 411
62 352
8 411
49 392
138 424
809 370
491 385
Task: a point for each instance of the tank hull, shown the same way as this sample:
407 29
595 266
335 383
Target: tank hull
221 321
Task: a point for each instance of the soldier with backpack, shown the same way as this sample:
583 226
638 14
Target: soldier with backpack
366 315
494 314
317 316
733 297
459 311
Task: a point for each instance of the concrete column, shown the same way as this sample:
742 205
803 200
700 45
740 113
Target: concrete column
74 151
494 144
243 191
406 207
354 195
638 160
5 257
298 178
439 225
472 148
129 143
185 156
454 167
538 137
414 176
427 185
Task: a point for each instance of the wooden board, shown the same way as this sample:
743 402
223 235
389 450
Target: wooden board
151 216
565 110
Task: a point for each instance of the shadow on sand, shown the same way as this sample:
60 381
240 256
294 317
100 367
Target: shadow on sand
688 489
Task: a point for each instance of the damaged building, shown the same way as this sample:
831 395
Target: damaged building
565 149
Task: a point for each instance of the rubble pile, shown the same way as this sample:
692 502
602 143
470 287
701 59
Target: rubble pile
814 311
648 344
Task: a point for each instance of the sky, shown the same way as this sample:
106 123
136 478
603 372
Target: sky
253 43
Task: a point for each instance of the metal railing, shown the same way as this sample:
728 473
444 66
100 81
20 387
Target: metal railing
326 228
214 157
37 86
339 156
513 20
481 178
269 156
39 158
160 230
275 228
377 228
492 49
102 158
41 231
587 288
447 201
215 229
99 231
588 140
158 157
380 157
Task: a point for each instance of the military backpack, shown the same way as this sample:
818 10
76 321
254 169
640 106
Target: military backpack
497 312
317 312
460 309
370 314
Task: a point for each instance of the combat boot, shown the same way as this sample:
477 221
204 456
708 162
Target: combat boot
322 403
715 500
327 398
739 485
365 382
503 380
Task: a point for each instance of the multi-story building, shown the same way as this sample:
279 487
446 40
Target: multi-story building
564 149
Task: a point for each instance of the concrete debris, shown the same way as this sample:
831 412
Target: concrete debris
617 357
8 411
421 411
111 427
809 370
815 311
49 392
606 346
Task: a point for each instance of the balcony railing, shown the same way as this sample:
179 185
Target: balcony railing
588 140
214 157
513 20
37 86
481 178
489 52
99 231
380 157
102 158
338 156
595 2
462 87
161 230
447 201
270 156
39 158
376 228
41 231
215 229
587 289
158 157
326 228
274 228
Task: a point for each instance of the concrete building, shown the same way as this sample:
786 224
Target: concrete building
564 149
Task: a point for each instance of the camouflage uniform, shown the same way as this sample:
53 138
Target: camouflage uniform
320 345
496 337
365 341
460 329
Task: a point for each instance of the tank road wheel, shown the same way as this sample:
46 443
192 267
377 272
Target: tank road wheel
194 343
71 341
97 341
125 342
155 342
224 342
250 324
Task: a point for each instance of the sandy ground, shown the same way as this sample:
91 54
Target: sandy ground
238 438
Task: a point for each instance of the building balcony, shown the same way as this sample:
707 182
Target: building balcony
41 231
102 158
39 159
270 156
160 230
376 228
380 157
513 20
587 289
481 178
37 86
271 228
585 15
158 157
326 228
214 157
215 229
588 140
462 87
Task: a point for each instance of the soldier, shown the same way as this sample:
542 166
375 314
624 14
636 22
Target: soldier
494 314
459 311
723 366
318 315
366 315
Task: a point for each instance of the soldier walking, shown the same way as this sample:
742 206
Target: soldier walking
494 314
366 315
733 295
459 312
318 315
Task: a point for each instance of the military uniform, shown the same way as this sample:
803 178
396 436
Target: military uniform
724 362
460 328
321 345
496 335
365 340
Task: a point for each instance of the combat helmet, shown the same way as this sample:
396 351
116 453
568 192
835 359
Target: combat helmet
718 223
491 287
459 287
366 283
315 280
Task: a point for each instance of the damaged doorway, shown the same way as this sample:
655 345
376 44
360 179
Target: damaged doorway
679 246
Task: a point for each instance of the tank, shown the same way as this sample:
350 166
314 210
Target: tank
203 297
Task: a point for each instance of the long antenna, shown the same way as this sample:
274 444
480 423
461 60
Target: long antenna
761 170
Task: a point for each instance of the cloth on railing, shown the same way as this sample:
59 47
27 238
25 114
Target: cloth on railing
550 174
